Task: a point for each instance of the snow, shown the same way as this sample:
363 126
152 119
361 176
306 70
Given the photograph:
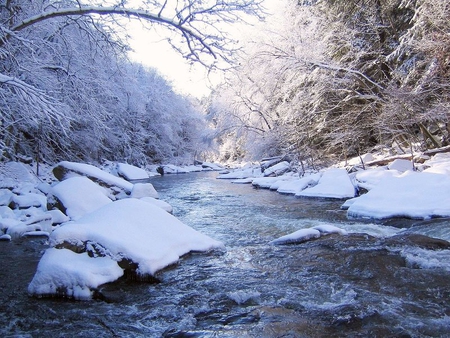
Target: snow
130 172
368 179
241 173
412 194
30 200
296 186
136 230
330 229
334 183
298 236
63 272
6 196
277 169
401 165
143 190
161 204
94 172
80 196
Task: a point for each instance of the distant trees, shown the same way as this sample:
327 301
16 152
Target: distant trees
67 89
338 78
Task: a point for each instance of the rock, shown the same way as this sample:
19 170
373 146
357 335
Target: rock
6 197
67 169
78 196
130 172
277 169
401 165
418 240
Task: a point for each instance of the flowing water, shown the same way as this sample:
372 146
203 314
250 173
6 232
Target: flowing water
337 286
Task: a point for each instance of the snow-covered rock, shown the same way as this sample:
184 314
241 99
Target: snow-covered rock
414 195
143 190
334 183
278 169
136 231
298 236
330 229
296 186
367 179
63 273
161 204
29 200
401 165
79 196
65 169
267 182
6 197
130 172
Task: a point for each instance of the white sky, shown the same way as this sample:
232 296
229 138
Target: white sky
151 50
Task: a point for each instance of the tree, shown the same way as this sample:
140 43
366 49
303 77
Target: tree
56 60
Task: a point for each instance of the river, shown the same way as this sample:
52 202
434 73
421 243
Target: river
338 286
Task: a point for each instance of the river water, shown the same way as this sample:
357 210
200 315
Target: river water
337 286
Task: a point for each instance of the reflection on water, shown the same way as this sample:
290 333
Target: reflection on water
352 285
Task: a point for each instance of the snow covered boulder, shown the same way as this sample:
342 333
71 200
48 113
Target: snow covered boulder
298 185
66 274
161 204
143 190
298 236
67 169
78 196
334 183
401 165
28 201
278 169
6 196
130 172
141 237
412 195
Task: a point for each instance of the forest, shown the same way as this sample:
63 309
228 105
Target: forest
318 81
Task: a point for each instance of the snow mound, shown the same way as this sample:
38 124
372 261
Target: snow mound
330 229
161 204
334 183
134 230
130 172
413 195
368 179
296 186
143 190
67 169
299 236
79 196
64 273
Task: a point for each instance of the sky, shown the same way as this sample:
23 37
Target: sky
152 50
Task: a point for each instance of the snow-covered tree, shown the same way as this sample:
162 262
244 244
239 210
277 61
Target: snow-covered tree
63 77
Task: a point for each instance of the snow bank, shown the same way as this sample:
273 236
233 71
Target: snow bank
414 195
64 273
79 195
138 231
130 172
334 183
